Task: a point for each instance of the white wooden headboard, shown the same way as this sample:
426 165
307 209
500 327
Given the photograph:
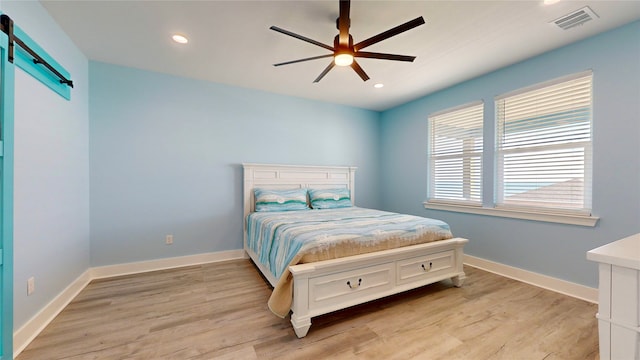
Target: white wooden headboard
271 176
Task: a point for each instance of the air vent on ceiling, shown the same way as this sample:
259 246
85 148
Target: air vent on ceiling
576 18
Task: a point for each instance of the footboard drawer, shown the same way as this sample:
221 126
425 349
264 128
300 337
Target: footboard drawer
350 287
425 267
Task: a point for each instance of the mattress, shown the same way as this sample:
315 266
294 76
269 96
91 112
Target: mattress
285 238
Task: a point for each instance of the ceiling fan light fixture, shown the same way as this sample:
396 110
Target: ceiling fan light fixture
180 39
343 59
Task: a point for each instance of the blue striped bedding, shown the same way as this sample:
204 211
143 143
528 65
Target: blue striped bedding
278 237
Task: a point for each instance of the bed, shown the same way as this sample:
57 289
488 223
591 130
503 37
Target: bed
308 286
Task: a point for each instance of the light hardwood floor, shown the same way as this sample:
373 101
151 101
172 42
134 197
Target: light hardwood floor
218 311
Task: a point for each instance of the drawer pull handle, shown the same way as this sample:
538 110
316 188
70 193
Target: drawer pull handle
354 286
430 266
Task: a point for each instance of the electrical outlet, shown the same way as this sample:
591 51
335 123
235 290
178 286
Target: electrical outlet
31 285
169 239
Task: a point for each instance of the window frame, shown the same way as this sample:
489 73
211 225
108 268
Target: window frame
500 201
464 156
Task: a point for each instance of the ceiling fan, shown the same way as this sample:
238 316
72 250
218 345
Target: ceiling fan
344 51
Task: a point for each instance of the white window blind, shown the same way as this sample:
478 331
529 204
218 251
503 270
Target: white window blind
544 146
455 155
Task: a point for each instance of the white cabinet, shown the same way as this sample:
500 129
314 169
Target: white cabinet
619 298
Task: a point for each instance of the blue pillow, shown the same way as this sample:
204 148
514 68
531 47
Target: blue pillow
280 200
330 198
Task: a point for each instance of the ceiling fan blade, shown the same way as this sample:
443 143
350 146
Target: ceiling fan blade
373 55
301 60
389 33
358 69
303 38
324 72
344 23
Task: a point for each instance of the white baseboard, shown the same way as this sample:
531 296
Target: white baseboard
100 272
27 332
546 282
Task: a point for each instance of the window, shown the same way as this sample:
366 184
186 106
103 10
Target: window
543 152
455 155
541 162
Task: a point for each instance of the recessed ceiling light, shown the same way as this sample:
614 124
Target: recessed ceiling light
180 39
378 86
549 2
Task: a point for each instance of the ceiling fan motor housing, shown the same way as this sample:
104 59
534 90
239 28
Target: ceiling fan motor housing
342 49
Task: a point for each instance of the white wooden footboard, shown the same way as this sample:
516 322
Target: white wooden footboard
326 286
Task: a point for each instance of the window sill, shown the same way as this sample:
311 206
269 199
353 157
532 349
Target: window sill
562 218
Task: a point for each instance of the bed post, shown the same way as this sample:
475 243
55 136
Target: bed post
458 280
300 318
246 206
352 183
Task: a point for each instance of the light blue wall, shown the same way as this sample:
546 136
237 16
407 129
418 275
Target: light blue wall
166 153
51 224
552 249
165 159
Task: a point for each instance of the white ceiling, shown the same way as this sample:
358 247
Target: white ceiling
230 41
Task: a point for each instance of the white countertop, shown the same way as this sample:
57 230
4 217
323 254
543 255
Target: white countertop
624 253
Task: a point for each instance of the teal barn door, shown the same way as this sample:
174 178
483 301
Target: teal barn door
6 200
16 49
